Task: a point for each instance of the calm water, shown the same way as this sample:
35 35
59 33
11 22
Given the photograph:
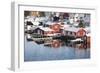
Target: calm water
53 50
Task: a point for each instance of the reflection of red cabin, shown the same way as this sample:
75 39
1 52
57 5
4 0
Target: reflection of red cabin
56 43
80 46
56 27
53 43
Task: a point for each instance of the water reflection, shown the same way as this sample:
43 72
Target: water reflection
55 49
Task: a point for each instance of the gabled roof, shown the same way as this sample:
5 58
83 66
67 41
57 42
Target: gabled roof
35 23
52 23
65 26
72 29
44 28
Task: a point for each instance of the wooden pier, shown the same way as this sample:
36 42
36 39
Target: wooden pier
42 39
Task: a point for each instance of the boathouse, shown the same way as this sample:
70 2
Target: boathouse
74 32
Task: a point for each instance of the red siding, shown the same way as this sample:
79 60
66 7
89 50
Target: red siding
56 28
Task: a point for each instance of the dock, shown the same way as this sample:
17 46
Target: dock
42 39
